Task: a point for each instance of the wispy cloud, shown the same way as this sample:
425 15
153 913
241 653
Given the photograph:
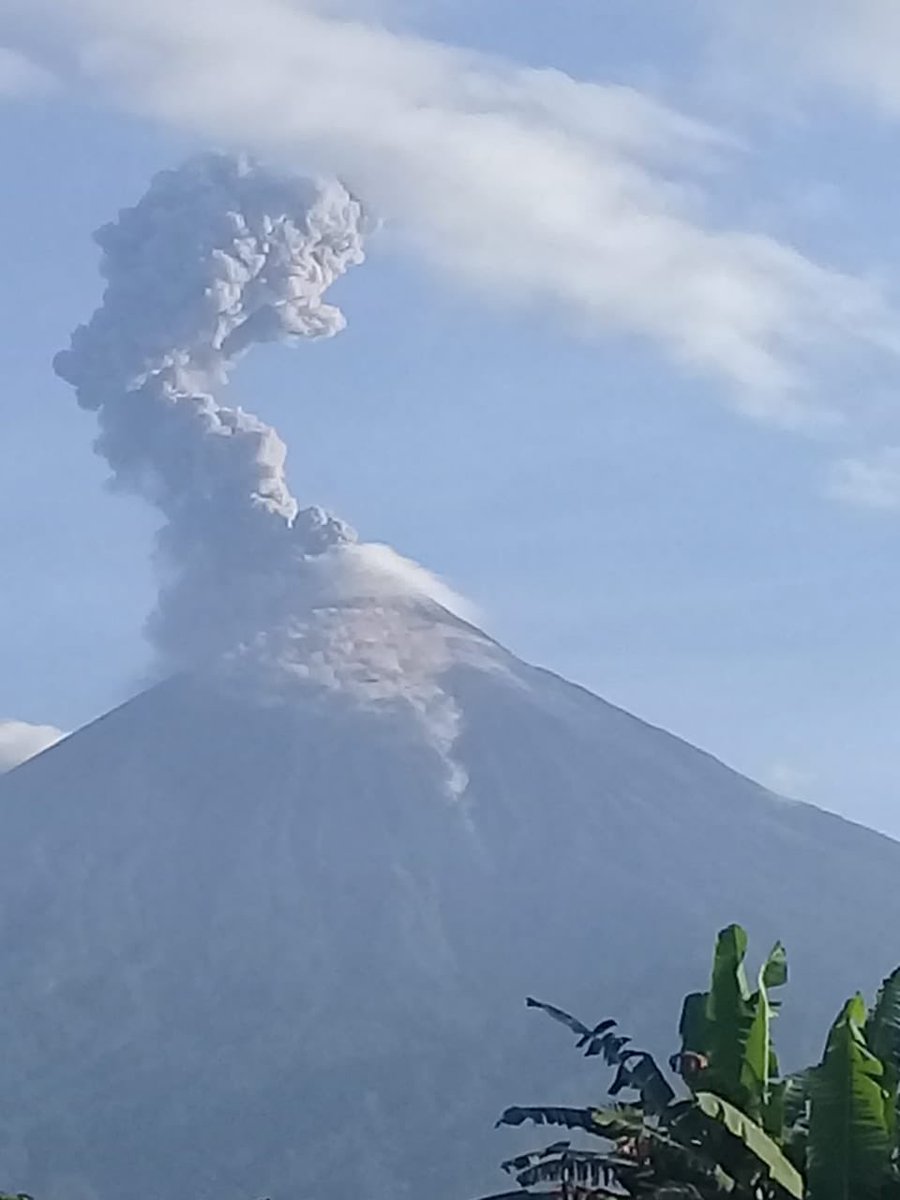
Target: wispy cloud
19 76
789 780
852 45
872 482
590 203
797 54
576 198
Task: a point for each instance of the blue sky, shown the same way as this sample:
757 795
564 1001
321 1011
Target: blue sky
683 494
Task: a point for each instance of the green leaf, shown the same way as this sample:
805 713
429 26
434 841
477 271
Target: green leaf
571 1118
638 1070
730 1013
758 1062
737 1035
795 1117
766 1152
673 1156
623 1121
775 969
586 1167
729 982
883 1024
796 1098
694 1024
851 1115
760 1066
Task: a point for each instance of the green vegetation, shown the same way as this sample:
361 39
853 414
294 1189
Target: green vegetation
723 1122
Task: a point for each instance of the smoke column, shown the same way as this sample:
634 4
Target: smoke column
218 255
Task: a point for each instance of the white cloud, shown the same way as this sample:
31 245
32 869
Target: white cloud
20 741
872 482
789 780
853 45
21 77
576 198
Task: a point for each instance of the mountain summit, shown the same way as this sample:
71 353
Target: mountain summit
267 928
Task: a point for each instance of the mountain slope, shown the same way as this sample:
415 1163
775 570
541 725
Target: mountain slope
267 929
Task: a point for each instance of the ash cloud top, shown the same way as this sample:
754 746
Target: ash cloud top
218 255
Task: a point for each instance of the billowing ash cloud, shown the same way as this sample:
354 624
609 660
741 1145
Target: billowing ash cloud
218 255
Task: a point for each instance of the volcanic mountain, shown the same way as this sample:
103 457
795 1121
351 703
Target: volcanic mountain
267 928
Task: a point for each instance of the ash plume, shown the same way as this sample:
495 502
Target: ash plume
218 255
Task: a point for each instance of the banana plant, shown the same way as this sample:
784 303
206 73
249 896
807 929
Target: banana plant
726 1032
736 1130
851 1120
852 1149
704 1141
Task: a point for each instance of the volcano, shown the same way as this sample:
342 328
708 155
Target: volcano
267 928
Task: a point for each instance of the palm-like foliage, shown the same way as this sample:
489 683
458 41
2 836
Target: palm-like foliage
851 1117
728 1029
724 1123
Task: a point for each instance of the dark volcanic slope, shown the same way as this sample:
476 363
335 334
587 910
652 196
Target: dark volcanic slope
258 947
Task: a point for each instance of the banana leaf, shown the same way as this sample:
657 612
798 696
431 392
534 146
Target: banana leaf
693 1026
571 1118
638 1070
883 1024
733 1030
760 1065
792 1101
512 1165
851 1115
580 1166
771 1162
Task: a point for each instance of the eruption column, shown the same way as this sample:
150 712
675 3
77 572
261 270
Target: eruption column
218 255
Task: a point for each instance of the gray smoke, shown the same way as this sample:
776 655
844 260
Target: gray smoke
218 255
